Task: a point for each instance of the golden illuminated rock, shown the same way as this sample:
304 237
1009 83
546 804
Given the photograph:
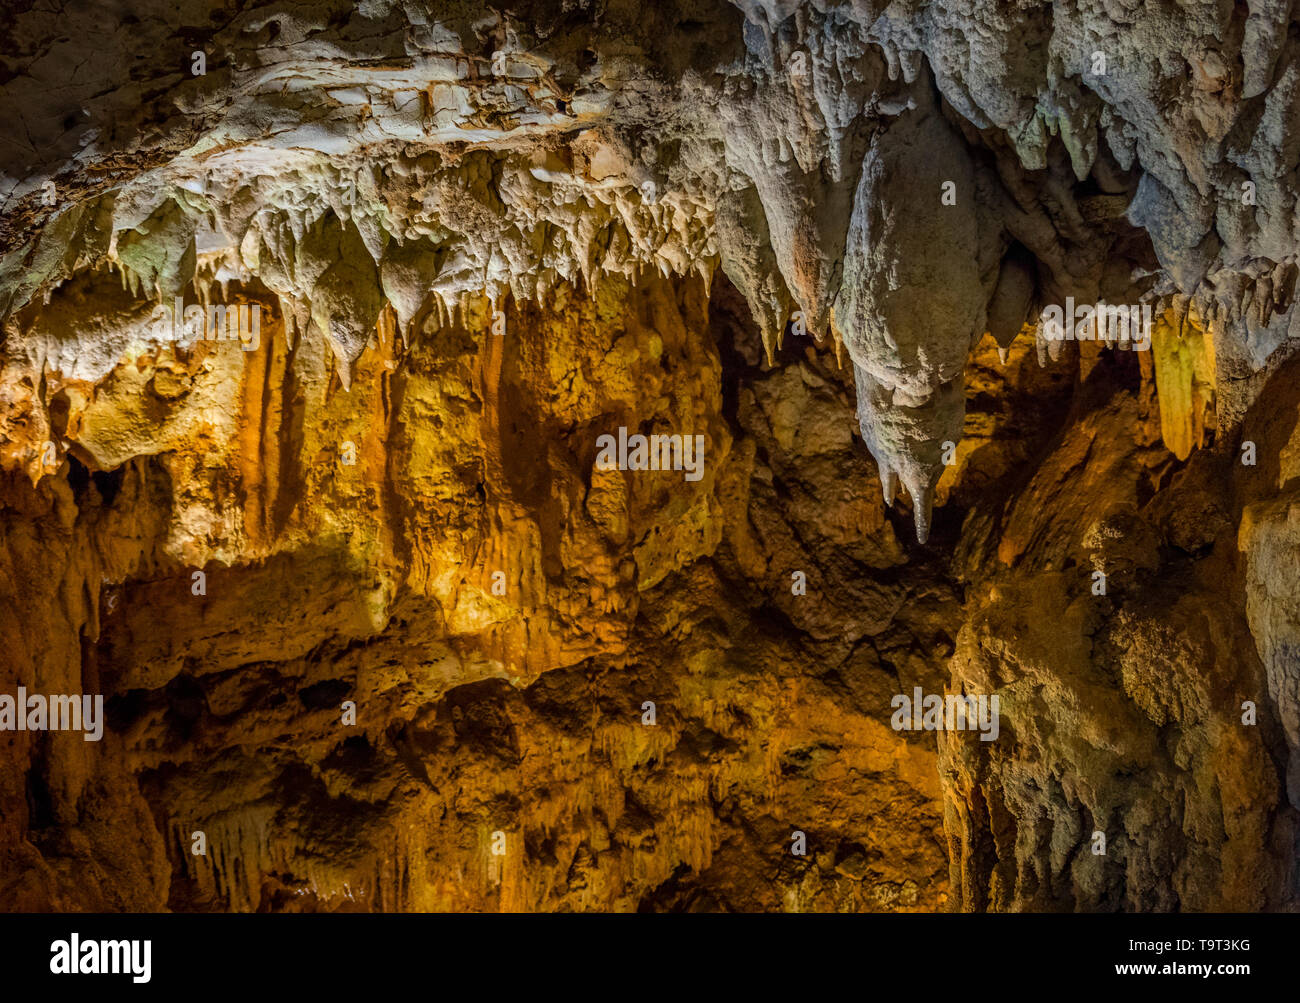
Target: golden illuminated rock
523 460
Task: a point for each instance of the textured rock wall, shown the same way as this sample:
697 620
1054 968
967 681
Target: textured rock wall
821 236
479 713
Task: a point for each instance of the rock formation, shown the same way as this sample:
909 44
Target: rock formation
314 315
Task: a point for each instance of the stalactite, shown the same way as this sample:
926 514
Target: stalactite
1182 349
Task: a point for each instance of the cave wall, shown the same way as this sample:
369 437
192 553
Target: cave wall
821 236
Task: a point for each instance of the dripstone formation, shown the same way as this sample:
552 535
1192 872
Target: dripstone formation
314 315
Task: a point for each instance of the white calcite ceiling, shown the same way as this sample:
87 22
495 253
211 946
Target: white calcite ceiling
353 156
